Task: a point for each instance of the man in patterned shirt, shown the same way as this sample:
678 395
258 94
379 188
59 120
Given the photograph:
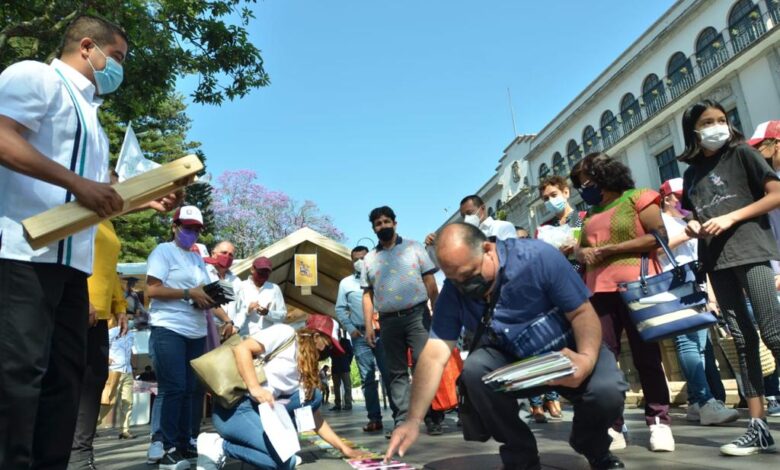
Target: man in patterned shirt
397 280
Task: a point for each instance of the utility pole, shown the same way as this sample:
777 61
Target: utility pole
511 111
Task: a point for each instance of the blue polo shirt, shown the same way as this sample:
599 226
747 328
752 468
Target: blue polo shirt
538 288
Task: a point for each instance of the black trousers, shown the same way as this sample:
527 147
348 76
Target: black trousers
597 403
95 376
43 330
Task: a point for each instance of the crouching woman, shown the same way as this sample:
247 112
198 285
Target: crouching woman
292 381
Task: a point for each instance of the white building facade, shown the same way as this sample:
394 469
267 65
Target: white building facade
727 50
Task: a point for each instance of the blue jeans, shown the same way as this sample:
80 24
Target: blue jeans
690 352
538 400
368 360
171 355
243 433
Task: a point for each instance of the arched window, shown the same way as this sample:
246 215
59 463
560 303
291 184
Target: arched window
653 94
589 140
774 11
573 153
498 205
680 74
710 50
745 25
559 164
629 112
610 133
544 171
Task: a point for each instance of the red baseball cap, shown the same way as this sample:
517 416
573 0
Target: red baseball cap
674 185
262 263
325 325
188 215
765 130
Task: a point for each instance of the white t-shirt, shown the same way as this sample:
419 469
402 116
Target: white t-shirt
281 372
685 252
120 352
270 296
178 269
501 229
58 106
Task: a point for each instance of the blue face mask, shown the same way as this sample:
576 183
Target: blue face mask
108 79
556 205
592 195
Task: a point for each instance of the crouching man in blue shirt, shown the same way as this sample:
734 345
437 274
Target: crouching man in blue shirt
541 305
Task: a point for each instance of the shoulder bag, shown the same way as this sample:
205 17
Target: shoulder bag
218 372
667 304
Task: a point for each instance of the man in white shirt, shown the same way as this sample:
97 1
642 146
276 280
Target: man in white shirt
474 212
260 302
218 266
52 151
120 359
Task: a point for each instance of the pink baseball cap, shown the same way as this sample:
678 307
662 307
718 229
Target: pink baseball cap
765 130
325 325
674 185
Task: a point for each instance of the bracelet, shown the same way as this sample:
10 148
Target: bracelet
186 294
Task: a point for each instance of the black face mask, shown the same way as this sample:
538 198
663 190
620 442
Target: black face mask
326 353
475 288
592 195
386 234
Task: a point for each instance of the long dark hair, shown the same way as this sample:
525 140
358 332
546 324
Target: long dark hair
689 119
604 171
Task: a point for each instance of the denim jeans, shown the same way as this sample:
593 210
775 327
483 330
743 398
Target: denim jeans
368 360
244 436
171 355
690 352
538 400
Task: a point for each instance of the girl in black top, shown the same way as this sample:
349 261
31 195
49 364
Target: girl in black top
730 188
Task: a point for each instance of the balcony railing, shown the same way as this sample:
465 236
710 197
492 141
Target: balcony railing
742 35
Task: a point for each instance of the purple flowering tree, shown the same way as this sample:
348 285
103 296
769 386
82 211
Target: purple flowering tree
253 216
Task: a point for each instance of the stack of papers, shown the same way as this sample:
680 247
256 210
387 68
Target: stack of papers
379 464
529 373
221 291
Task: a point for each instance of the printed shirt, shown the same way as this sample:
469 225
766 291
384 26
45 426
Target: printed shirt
395 275
120 351
537 288
105 288
58 106
269 296
717 185
617 222
500 229
178 269
349 304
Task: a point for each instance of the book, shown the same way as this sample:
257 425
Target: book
529 373
220 291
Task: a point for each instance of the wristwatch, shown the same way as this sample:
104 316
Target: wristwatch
186 294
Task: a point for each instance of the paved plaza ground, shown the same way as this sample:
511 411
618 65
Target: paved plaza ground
697 447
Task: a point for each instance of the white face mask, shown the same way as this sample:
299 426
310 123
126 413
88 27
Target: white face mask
471 219
714 137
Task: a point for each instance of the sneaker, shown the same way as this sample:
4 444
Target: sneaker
661 439
715 412
155 452
618 440
173 460
772 407
755 440
298 461
694 413
335 408
605 462
211 453
434 429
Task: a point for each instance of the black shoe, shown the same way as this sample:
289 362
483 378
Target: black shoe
434 429
348 408
335 408
605 462
173 460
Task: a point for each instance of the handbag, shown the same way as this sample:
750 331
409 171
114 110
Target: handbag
667 304
446 396
218 372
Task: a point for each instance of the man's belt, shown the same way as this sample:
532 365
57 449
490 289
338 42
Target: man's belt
401 313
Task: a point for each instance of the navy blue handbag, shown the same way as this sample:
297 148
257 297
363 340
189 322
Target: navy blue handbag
667 304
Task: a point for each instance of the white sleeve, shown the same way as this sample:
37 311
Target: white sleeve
241 308
25 93
273 336
277 311
506 231
157 265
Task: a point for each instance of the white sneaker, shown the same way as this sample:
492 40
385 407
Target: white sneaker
155 452
694 413
715 412
618 440
298 461
661 439
211 453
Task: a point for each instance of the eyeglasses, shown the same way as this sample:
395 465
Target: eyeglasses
587 184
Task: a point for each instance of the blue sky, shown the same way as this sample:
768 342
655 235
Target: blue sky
404 102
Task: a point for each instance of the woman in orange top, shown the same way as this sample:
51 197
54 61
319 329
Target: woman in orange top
616 231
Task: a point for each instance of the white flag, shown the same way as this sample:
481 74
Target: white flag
131 159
